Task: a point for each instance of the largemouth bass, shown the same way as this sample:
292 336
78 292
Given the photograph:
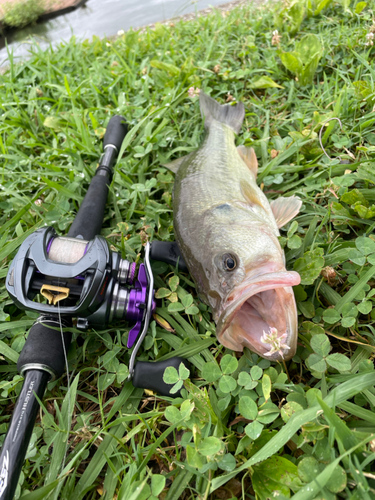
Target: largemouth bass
227 232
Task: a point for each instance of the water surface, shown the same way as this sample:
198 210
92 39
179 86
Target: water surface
100 18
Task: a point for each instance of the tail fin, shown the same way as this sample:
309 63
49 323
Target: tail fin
232 116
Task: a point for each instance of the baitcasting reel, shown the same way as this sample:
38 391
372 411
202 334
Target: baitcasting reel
76 278
80 279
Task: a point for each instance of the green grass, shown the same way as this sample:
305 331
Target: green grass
20 14
244 428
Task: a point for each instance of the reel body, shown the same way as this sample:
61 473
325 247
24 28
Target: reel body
79 279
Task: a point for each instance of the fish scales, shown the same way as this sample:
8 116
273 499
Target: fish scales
228 233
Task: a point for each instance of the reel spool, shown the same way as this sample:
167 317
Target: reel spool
66 250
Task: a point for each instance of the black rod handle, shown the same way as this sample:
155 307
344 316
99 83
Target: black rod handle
89 219
149 375
20 429
44 347
115 133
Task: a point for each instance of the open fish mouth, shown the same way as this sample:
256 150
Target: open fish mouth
261 314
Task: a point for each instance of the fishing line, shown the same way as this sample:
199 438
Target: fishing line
68 384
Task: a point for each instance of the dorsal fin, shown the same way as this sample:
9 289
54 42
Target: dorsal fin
175 164
284 209
232 116
249 157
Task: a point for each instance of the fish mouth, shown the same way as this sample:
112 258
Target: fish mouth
261 314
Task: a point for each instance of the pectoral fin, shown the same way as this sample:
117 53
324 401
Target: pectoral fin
284 209
249 157
175 164
250 194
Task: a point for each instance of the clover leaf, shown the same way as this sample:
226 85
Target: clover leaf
365 307
172 376
331 316
212 372
292 241
254 429
248 408
339 361
227 384
175 415
310 265
209 446
228 364
309 468
318 361
365 251
173 294
365 245
250 380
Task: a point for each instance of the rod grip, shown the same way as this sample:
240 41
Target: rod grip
149 375
44 347
89 219
117 129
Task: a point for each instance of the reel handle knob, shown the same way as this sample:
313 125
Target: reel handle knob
149 375
116 131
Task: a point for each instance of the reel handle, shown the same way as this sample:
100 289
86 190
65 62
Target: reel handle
169 253
149 375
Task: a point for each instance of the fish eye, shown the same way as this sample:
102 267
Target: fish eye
229 261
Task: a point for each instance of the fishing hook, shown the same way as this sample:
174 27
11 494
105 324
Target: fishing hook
320 135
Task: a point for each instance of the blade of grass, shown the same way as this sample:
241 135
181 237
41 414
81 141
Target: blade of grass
282 157
310 490
10 325
358 411
7 351
352 293
184 329
180 482
42 493
339 394
59 443
62 189
187 351
342 432
14 244
106 448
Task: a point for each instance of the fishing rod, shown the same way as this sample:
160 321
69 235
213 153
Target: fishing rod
78 276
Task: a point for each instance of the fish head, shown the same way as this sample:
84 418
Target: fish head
248 287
